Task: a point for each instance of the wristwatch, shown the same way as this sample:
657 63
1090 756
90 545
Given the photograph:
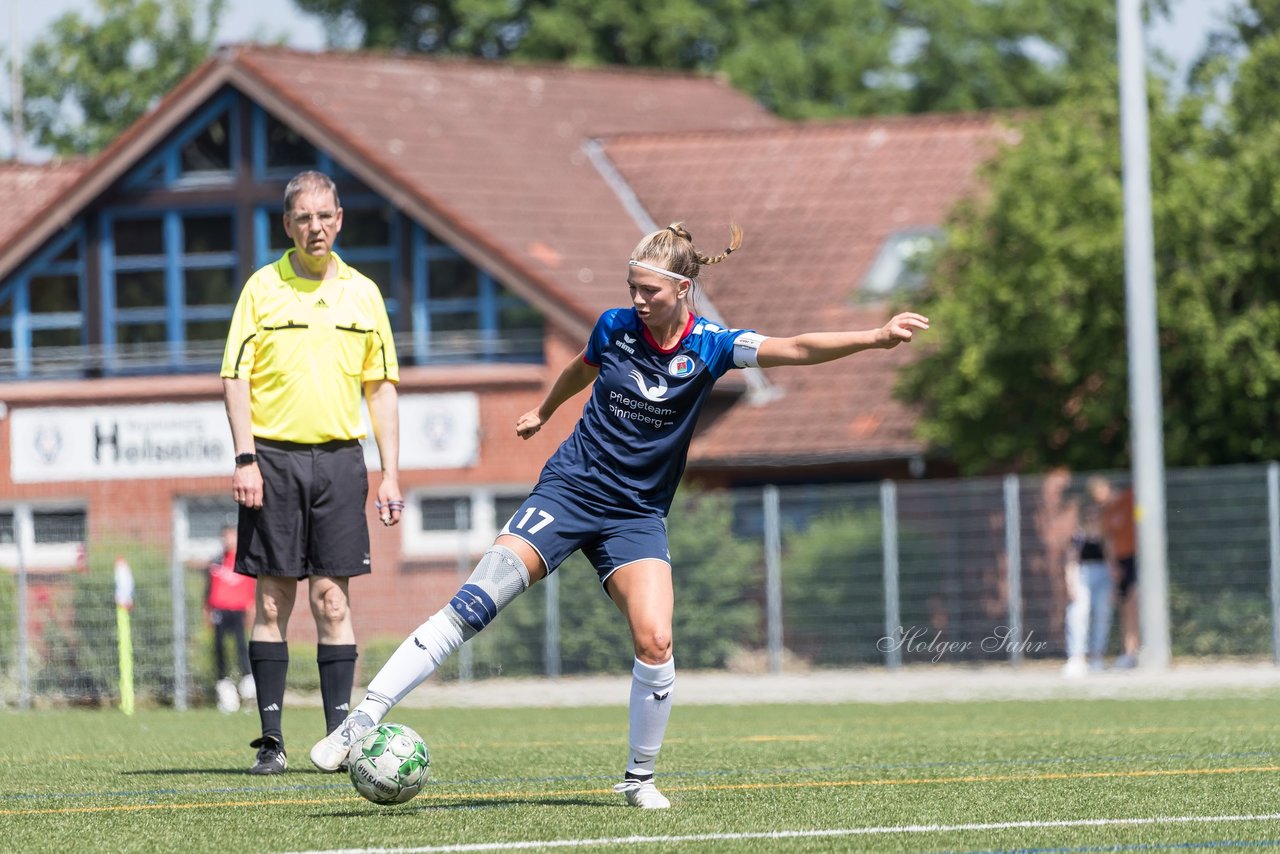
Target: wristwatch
245 459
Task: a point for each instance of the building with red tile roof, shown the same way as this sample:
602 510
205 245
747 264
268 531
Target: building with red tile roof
831 211
27 188
496 205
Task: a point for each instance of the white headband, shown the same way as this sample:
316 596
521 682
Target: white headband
670 275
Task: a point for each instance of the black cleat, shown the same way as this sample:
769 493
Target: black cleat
271 758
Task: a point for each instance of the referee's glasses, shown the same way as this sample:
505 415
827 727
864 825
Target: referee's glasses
325 218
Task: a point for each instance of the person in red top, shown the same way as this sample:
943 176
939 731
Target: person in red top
227 600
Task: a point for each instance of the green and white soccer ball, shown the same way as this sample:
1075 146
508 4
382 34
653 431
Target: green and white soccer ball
390 764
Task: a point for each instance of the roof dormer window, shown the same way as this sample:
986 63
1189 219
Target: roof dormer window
902 263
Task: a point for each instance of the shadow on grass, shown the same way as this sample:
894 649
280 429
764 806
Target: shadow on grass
409 809
235 772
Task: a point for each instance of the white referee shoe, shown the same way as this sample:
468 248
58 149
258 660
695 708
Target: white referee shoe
642 794
330 752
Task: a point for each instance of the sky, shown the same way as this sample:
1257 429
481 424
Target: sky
275 20
243 20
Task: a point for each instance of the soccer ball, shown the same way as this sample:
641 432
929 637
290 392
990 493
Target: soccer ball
390 764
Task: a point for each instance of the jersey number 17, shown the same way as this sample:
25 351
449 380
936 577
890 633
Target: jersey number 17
544 519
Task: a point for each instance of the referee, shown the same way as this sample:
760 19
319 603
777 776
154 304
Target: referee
308 334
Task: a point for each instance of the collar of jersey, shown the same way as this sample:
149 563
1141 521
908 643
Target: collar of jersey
688 327
285 270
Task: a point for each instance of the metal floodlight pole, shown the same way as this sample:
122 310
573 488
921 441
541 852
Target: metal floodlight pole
1144 355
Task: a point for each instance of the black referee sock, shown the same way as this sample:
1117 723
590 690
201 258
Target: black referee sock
337 663
269 661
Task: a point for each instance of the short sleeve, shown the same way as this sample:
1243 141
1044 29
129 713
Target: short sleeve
380 362
237 358
599 340
719 348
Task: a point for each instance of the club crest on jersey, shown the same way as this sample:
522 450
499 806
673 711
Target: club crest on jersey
681 366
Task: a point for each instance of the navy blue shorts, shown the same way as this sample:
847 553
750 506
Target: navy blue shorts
557 522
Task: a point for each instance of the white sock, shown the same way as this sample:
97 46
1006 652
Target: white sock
650 709
416 659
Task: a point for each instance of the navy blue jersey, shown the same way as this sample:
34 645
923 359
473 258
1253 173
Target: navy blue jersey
628 450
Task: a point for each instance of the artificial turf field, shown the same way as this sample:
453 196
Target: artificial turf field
1051 775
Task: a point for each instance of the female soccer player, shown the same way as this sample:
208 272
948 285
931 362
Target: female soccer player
607 488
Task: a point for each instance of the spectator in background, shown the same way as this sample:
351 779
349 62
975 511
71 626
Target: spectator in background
1057 518
227 599
1089 592
1121 543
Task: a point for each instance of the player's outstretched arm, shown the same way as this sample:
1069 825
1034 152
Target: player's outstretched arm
576 376
812 348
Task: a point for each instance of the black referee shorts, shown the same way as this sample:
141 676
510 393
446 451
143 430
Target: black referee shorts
312 520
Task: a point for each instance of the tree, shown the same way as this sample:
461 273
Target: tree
486 28
817 58
1027 366
979 55
834 578
86 81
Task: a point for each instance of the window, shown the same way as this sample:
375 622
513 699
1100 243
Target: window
168 262
42 329
175 287
57 327
210 287
57 527
463 314
365 227
141 236
203 233
208 270
210 150
448 524
52 294
368 241
200 520
140 289
445 514
202 154
504 507
284 150
46 537
902 263
453 283
274 236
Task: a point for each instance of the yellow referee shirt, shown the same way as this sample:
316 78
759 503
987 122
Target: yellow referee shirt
306 347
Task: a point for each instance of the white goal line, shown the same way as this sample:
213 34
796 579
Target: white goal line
803 834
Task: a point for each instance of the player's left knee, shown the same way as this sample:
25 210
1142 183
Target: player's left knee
332 605
653 647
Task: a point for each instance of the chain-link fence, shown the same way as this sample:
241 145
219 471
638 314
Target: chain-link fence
767 579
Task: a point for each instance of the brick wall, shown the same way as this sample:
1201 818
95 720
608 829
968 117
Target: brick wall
403 590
